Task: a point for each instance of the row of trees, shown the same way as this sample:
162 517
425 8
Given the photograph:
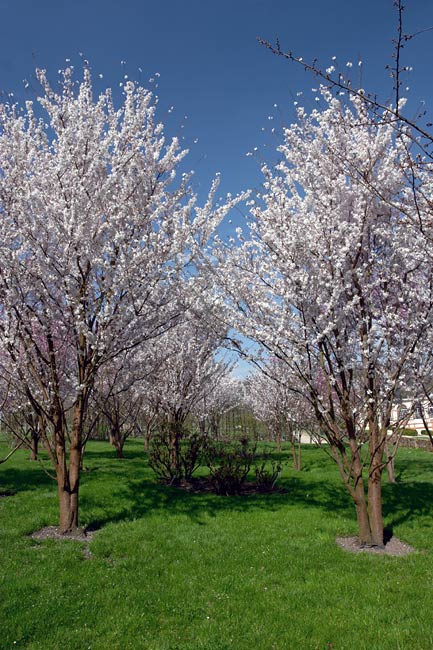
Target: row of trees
334 275
110 275
98 241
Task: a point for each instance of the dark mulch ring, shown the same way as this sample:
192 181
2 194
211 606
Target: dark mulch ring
199 485
79 535
393 546
52 532
6 493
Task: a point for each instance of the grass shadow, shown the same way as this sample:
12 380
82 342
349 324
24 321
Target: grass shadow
130 453
116 490
16 480
404 502
145 497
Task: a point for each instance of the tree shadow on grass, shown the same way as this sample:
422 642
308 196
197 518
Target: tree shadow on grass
123 490
147 497
419 466
16 480
409 499
109 454
116 490
404 502
143 497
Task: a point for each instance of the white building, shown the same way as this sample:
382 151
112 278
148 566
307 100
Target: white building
414 412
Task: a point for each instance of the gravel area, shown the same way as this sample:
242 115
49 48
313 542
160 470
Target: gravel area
80 535
393 547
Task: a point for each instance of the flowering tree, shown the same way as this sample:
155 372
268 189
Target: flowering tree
94 233
224 394
16 419
186 377
117 396
335 280
272 398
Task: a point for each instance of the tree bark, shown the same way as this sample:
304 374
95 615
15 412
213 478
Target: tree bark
377 443
295 444
354 482
364 528
68 478
34 446
68 497
390 468
175 434
117 441
119 448
68 508
278 438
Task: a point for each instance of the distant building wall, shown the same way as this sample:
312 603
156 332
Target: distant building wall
414 411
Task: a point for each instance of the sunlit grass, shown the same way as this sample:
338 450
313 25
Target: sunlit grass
171 570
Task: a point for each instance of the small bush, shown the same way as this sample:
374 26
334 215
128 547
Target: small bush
175 455
409 432
267 474
229 463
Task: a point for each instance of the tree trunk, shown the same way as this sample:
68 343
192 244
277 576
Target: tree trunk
68 478
174 449
68 484
270 434
355 484
202 426
117 441
296 453
377 443
119 448
68 508
278 438
82 460
68 491
34 445
215 426
390 468
375 507
390 444
364 528
427 428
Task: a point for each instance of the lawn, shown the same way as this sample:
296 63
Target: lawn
171 570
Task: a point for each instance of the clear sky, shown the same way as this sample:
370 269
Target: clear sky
211 67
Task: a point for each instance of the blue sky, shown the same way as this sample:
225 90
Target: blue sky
211 67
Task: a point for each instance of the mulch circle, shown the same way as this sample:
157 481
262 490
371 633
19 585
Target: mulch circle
6 493
52 532
203 485
394 547
79 535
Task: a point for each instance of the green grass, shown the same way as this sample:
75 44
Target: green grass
171 570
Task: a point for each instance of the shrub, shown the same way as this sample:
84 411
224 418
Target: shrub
409 432
267 474
175 455
229 463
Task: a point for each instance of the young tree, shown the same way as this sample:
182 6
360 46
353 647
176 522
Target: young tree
267 400
187 374
94 234
271 396
118 399
223 395
336 282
